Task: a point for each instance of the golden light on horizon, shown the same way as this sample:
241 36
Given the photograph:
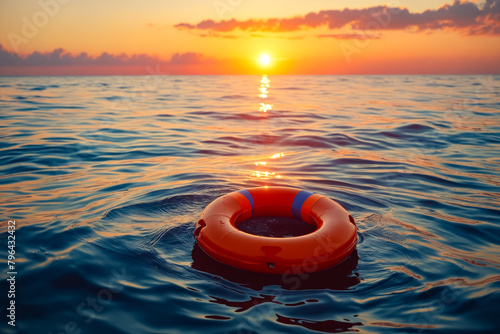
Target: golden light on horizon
265 59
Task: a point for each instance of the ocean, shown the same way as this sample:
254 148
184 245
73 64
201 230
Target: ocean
104 178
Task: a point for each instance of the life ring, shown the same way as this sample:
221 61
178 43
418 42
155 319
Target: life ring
332 242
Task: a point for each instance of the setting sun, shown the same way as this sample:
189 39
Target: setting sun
273 37
265 60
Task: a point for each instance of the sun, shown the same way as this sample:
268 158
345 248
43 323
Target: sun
265 59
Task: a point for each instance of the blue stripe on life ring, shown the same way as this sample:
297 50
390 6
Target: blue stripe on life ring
298 201
249 197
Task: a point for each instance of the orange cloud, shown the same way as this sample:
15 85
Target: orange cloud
468 17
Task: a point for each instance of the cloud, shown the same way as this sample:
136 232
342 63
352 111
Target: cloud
59 57
185 25
235 36
468 17
189 58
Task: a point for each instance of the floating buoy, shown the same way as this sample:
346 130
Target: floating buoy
332 241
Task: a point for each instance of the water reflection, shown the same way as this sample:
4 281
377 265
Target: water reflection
262 170
265 107
277 155
340 277
265 83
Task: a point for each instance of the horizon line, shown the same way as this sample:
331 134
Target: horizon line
247 74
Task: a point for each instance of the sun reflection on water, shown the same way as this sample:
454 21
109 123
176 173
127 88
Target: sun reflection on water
277 155
263 172
265 83
261 168
265 107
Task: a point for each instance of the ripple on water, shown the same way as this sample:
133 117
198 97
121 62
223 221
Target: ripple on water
106 179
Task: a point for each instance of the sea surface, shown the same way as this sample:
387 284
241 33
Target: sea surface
106 177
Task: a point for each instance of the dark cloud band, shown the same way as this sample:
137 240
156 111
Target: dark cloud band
59 57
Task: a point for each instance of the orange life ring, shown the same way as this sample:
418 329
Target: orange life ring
333 240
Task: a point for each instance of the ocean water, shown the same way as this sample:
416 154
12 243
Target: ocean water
106 177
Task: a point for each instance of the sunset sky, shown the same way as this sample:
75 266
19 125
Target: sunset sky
45 37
